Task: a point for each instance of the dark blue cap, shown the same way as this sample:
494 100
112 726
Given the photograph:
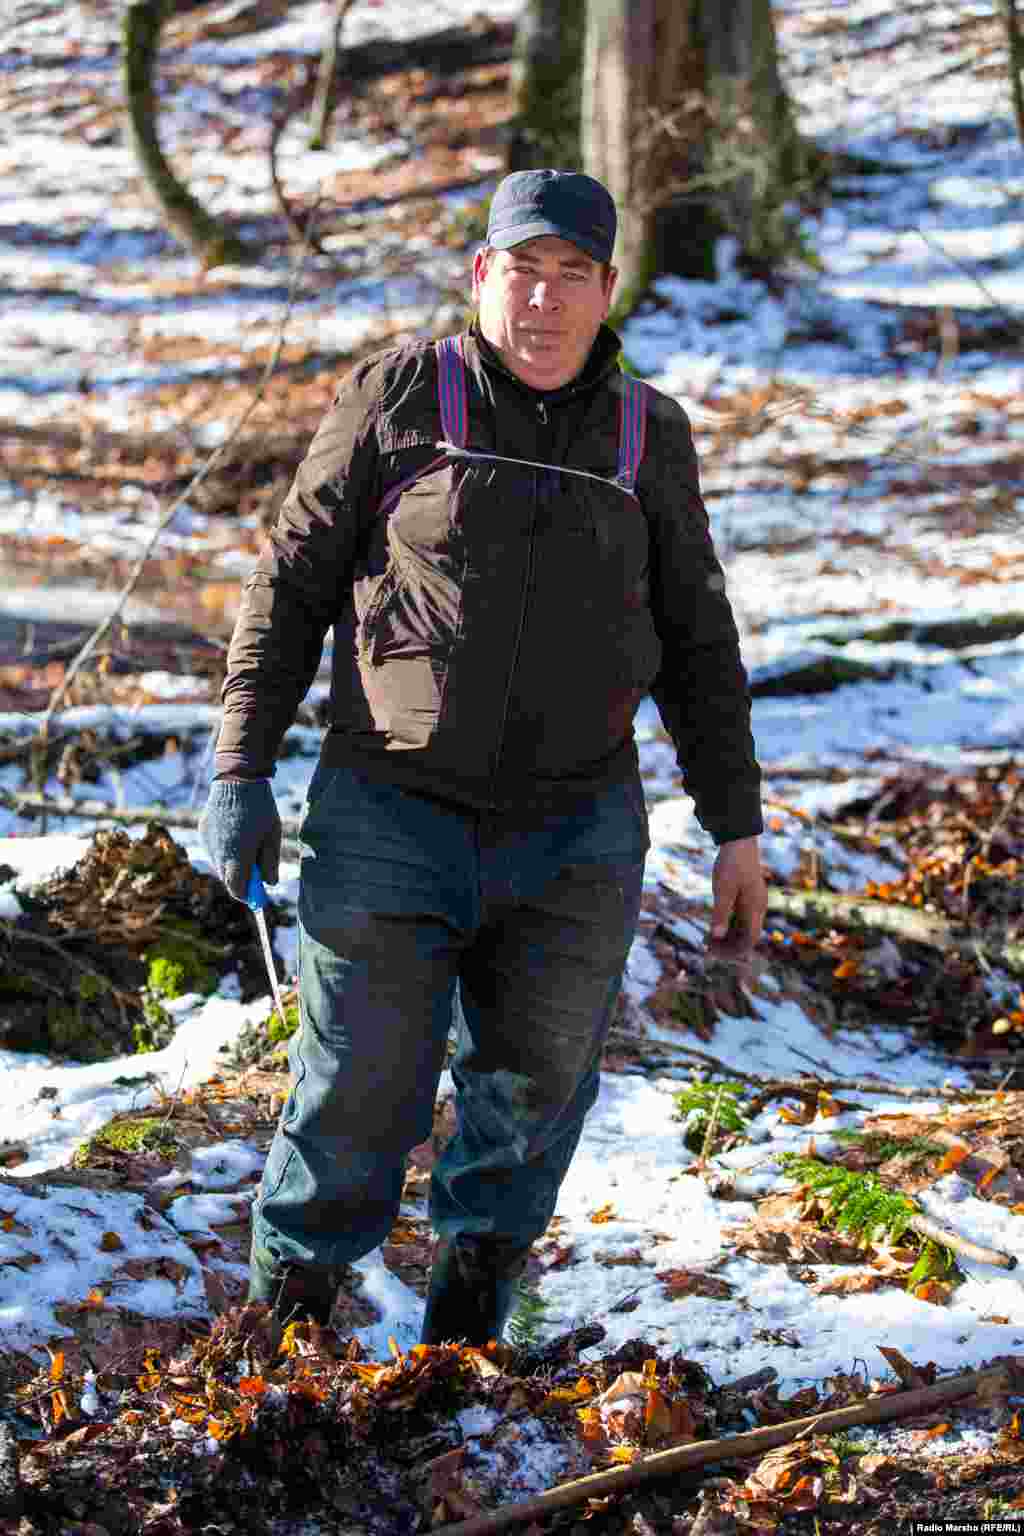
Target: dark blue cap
568 204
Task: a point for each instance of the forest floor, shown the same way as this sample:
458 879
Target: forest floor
888 723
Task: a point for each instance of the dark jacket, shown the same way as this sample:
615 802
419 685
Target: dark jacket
494 634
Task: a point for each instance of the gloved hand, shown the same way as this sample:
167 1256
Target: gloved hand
241 827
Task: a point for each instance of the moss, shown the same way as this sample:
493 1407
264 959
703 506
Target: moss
89 987
16 985
156 1027
175 967
147 1134
278 1030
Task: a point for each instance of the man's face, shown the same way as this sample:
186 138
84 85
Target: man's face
541 305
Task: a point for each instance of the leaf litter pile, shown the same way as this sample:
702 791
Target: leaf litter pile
86 967
260 1429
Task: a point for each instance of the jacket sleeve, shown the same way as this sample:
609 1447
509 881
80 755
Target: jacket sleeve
297 588
701 691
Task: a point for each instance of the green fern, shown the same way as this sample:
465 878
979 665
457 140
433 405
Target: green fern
700 1102
527 1317
861 1204
881 1147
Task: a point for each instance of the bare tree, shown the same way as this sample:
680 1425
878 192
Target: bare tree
212 242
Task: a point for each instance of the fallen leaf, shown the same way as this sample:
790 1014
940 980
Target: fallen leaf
938 1292
678 1283
110 1242
857 1284
802 1116
952 1159
602 1214
907 1373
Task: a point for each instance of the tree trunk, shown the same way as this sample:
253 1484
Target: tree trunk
685 120
546 80
752 152
617 85
187 219
1015 50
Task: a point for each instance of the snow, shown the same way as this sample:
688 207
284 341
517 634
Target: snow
942 230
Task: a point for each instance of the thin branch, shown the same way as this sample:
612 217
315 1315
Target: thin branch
321 113
104 627
682 1459
936 1234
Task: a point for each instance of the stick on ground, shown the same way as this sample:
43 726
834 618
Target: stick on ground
889 1405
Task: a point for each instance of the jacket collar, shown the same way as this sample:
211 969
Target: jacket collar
602 361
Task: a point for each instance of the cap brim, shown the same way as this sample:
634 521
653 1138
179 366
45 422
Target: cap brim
506 239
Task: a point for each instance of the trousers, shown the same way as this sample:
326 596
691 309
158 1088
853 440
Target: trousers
418 918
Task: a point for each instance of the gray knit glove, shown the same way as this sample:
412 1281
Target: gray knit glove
241 827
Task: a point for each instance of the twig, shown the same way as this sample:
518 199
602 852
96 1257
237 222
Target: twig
325 78
889 1405
936 1234
106 624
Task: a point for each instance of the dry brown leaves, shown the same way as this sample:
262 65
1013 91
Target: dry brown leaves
123 888
779 1233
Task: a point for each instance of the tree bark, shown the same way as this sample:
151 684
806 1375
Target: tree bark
212 242
752 152
617 84
323 100
685 119
1015 50
546 81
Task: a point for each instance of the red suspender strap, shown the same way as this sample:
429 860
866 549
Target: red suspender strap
632 431
451 396
451 391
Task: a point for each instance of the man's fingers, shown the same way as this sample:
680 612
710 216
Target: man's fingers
724 905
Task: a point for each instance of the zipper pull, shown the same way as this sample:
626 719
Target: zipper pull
542 412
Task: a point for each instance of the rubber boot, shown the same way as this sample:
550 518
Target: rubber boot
295 1293
472 1288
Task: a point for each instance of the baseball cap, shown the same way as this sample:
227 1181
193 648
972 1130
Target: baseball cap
569 204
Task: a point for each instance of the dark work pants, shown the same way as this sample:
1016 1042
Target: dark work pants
405 902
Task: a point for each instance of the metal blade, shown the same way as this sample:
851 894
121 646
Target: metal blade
256 900
268 956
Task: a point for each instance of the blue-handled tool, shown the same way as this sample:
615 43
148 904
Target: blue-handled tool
256 900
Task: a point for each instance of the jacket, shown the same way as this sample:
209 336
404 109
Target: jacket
496 628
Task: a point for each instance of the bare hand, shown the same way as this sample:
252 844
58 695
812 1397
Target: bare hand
740 901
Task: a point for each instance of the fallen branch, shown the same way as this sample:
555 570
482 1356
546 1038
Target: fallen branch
936 1234
887 917
889 1405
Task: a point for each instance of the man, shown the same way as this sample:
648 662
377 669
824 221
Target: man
476 823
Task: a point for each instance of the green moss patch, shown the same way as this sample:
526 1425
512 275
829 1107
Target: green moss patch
127 1136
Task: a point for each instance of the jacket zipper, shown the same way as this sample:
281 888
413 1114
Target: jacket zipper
517 644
